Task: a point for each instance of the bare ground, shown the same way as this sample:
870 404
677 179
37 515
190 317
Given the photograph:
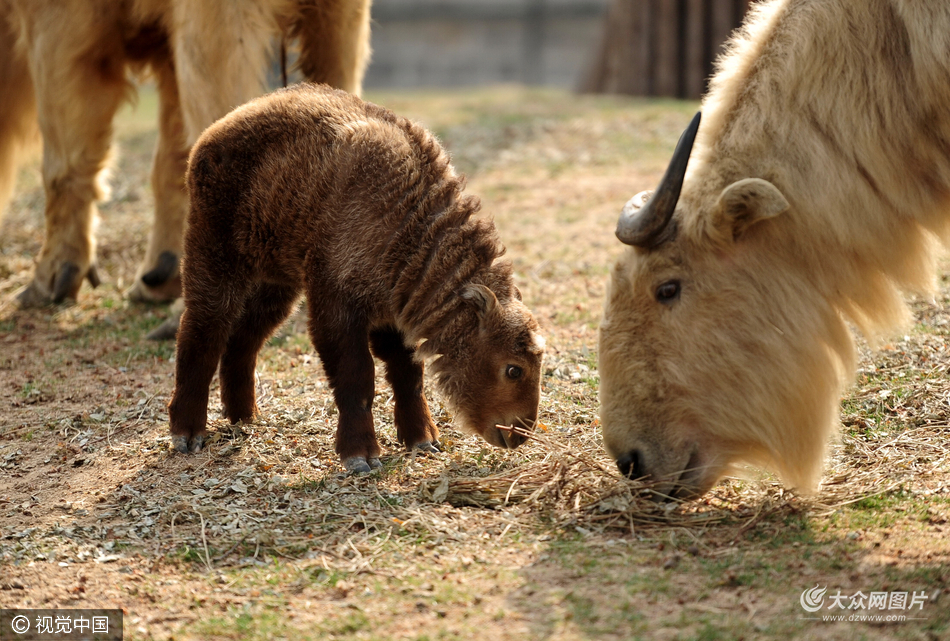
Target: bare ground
262 536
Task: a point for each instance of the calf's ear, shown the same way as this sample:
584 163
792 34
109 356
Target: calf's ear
745 203
482 298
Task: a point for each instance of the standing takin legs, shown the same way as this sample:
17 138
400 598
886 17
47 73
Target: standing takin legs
313 190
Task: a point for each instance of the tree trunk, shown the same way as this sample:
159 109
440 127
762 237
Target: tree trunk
662 47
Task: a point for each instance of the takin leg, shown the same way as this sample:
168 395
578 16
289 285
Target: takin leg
343 346
264 311
334 41
158 277
220 53
77 95
414 425
18 126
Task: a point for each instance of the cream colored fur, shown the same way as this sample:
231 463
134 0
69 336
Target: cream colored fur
844 108
207 57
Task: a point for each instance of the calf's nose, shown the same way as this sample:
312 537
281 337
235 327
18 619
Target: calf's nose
512 438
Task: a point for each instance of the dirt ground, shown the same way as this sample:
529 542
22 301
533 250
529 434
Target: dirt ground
263 536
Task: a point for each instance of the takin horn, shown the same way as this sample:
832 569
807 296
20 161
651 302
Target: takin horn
643 226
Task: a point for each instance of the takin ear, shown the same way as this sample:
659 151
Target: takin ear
746 202
483 298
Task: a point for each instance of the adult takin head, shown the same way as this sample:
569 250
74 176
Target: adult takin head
313 190
810 196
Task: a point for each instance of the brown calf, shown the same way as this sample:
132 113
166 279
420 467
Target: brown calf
311 189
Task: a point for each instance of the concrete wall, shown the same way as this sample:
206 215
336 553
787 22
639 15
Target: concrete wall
451 43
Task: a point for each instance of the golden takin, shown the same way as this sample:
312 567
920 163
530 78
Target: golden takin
64 66
816 192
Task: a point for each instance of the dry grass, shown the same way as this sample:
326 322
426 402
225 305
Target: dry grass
262 536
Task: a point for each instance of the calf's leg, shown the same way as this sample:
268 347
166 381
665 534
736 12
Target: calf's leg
343 346
264 311
201 341
414 425
212 300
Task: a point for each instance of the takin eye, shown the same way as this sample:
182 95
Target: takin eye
513 372
668 292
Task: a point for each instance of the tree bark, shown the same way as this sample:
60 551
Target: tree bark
661 47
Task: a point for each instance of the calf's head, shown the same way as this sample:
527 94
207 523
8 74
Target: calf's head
708 346
492 375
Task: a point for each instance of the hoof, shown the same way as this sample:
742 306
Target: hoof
32 297
360 465
428 447
161 284
163 271
139 293
67 282
185 445
169 327
164 332
196 443
65 287
93 276
180 444
164 293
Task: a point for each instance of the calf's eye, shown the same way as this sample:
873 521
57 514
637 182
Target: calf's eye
513 372
668 292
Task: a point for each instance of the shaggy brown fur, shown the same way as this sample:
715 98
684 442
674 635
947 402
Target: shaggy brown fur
819 182
66 62
311 189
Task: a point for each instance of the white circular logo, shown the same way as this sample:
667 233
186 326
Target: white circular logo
813 599
20 624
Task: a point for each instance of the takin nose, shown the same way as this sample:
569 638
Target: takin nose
631 465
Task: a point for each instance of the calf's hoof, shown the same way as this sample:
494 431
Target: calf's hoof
361 465
428 447
187 445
